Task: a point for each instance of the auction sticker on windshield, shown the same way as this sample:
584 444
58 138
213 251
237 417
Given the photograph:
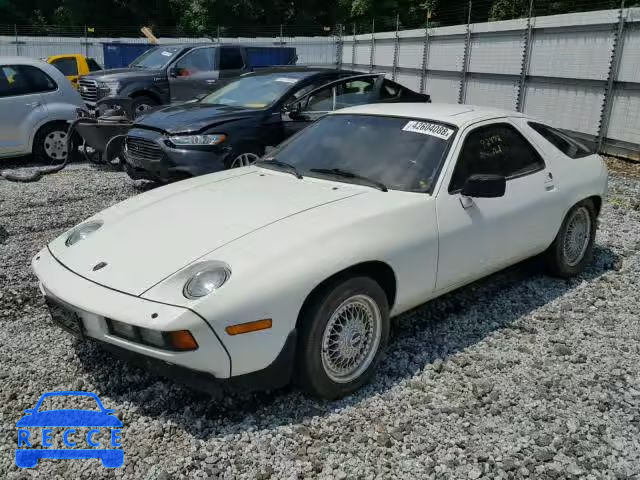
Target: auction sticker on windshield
428 128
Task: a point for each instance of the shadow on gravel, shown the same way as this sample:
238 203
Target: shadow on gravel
436 330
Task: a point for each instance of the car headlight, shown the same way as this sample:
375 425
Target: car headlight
205 281
214 139
109 88
82 232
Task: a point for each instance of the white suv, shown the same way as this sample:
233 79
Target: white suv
36 101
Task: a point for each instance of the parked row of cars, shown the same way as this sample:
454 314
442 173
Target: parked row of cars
339 200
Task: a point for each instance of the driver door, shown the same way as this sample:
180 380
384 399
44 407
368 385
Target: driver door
193 74
346 92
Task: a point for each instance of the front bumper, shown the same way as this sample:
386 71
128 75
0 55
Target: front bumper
94 303
166 164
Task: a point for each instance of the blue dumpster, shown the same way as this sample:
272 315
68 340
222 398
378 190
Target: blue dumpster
119 54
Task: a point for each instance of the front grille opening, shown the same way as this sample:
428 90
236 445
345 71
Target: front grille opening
144 149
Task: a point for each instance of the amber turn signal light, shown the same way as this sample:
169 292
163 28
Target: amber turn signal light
249 327
182 340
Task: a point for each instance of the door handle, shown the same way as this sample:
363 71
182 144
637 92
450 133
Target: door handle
33 104
210 82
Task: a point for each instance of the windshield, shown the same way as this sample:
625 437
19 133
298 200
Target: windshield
254 91
401 153
156 58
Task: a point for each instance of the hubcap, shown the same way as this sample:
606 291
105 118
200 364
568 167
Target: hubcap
244 160
55 145
143 107
351 338
577 236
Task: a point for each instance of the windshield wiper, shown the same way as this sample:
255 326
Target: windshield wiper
338 172
289 168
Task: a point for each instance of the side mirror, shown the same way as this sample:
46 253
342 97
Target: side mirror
174 72
485 186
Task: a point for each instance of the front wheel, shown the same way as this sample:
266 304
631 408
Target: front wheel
141 105
343 335
572 248
50 143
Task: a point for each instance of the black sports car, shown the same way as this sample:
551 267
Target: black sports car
233 126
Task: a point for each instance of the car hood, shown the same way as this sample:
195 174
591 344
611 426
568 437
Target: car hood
149 237
192 117
69 418
114 74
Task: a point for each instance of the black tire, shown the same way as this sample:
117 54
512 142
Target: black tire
310 373
43 141
140 102
556 260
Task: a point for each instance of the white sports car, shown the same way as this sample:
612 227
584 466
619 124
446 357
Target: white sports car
292 267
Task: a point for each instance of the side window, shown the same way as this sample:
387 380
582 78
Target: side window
24 80
68 66
301 92
390 90
231 59
495 149
198 60
341 95
567 145
93 65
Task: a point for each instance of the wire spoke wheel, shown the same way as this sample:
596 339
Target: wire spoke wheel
244 160
55 145
577 236
351 338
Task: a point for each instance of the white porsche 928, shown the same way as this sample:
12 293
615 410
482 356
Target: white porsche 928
291 268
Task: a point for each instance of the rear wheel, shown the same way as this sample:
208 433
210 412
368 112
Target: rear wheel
572 248
342 336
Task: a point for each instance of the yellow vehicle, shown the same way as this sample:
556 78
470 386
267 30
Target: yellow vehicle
73 66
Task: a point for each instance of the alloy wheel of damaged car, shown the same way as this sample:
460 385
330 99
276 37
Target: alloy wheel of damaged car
342 336
573 247
244 160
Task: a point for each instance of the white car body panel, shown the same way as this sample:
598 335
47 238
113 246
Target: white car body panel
282 237
22 115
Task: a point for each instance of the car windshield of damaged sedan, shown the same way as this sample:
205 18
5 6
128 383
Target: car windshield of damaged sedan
388 152
254 92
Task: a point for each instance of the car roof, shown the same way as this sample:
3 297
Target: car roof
299 71
13 60
458 115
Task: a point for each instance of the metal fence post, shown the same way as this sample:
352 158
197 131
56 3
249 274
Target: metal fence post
526 55
396 49
462 93
86 42
218 34
281 36
614 68
339 47
15 30
373 45
353 48
425 56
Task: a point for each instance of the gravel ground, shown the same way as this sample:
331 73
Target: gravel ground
516 376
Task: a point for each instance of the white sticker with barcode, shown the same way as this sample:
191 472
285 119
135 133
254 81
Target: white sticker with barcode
428 128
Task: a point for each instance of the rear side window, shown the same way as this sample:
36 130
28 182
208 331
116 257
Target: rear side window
231 59
563 142
93 65
497 149
68 66
24 80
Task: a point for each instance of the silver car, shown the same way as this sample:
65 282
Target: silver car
36 101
